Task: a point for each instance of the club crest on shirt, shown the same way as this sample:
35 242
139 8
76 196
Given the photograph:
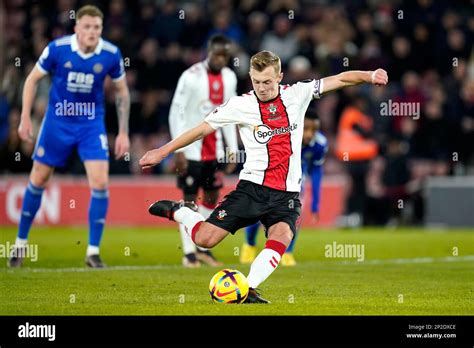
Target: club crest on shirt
272 108
221 214
98 68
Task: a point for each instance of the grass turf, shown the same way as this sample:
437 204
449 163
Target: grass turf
405 272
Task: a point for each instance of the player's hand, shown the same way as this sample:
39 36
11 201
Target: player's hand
152 158
314 218
122 145
379 77
25 130
230 167
181 163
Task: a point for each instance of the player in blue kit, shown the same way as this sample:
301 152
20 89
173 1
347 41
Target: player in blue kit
78 65
312 159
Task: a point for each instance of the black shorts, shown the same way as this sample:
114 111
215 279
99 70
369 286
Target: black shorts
250 203
207 175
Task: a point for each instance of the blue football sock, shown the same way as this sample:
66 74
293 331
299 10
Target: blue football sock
31 204
97 212
251 234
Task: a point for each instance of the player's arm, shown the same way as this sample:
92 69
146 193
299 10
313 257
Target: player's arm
25 130
352 78
122 104
153 157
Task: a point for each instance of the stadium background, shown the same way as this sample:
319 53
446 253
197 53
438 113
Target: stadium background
426 47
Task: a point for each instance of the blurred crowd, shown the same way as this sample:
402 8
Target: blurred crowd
425 46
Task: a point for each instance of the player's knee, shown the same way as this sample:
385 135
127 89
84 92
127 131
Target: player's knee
39 178
204 240
281 232
39 181
99 183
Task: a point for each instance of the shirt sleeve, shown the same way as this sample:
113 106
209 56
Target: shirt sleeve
117 72
47 61
309 89
224 114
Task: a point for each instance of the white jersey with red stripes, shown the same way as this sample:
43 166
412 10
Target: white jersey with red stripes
200 91
271 131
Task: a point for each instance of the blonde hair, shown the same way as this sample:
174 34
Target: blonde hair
264 59
89 10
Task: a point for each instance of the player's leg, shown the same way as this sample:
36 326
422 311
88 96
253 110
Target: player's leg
233 213
206 207
98 178
279 237
93 150
249 248
203 234
39 177
280 222
54 145
188 183
288 258
211 183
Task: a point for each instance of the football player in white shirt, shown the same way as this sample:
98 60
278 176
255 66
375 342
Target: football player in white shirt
201 88
270 120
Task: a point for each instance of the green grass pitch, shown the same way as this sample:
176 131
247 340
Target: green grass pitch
404 272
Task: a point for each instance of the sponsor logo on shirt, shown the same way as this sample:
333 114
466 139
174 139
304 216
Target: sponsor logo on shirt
80 82
263 133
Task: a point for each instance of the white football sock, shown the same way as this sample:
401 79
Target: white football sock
21 242
187 243
92 250
188 218
265 263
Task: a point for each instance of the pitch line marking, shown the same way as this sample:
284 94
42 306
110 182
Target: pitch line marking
165 267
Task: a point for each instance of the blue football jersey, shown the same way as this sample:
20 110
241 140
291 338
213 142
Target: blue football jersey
77 90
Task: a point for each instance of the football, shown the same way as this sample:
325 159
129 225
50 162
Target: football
229 286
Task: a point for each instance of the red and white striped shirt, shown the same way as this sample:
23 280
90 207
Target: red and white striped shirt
199 91
271 132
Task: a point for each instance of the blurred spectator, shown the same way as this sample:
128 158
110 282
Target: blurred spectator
299 68
223 24
281 40
411 94
467 123
168 25
195 27
356 147
257 27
